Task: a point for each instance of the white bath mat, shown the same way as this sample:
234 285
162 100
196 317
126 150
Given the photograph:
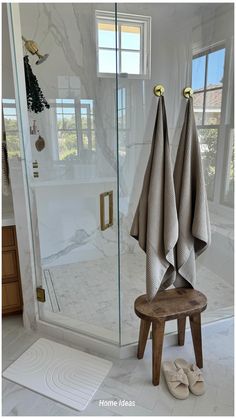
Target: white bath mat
59 372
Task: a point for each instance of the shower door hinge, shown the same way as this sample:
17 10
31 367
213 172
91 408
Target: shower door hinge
40 294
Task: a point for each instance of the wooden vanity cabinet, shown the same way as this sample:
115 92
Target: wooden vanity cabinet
11 283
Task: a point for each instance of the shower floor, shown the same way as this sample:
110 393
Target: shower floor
84 296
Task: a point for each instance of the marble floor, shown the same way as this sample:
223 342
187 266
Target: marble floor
130 380
73 288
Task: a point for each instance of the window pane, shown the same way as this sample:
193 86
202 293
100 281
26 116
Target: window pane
130 37
130 62
68 101
85 140
106 35
208 144
10 123
84 121
12 144
121 118
92 121
69 110
107 61
215 68
69 122
9 111
121 98
213 107
198 72
198 107
9 101
67 145
229 183
93 140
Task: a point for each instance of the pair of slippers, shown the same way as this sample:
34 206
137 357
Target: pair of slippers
181 377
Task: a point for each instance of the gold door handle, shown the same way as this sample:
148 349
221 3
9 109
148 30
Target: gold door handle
103 224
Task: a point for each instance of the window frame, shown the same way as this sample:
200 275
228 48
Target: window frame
144 22
222 149
206 52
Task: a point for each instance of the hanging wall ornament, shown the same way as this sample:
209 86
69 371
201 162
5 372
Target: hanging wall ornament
36 101
40 143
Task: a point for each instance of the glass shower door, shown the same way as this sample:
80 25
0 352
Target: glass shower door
71 166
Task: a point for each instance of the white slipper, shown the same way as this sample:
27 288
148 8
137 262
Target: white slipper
176 380
195 377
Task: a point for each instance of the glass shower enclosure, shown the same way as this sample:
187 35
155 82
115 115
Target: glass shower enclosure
85 155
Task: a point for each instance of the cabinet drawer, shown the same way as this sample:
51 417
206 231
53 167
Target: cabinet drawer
8 236
9 264
11 297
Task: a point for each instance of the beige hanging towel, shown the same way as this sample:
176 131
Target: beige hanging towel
191 201
155 223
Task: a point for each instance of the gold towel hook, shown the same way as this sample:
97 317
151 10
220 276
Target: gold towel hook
158 90
188 92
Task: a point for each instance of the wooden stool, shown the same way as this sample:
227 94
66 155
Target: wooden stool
170 304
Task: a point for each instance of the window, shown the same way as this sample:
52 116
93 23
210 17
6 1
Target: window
123 125
66 128
130 38
207 82
11 127
75 127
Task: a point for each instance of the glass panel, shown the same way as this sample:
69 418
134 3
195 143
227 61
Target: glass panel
106 35
198 72
215 68
198 107
229 181
77 262
107 61
130 37
130 62
171 58
213 107
208 143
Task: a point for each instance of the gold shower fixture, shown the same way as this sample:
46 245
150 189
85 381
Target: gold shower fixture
33 48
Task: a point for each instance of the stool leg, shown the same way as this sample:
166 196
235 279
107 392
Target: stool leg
143 335
158 328
181 331
195 324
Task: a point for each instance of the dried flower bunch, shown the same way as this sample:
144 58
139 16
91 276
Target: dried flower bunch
36 101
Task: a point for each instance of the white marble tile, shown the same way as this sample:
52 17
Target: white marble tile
223 410
71 287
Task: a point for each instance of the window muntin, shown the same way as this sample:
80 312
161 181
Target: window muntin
128 48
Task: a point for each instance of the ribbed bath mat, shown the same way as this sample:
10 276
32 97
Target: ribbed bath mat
59 372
